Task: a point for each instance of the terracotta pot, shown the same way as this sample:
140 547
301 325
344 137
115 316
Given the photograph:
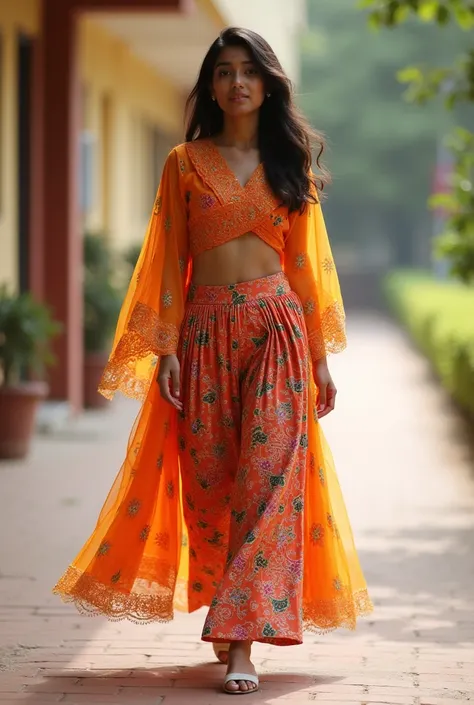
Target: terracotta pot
94 364
18 405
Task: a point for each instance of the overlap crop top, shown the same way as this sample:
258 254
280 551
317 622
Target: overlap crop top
200 204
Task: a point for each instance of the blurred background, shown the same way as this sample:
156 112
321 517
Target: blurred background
92 94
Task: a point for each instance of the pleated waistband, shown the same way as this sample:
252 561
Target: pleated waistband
241 293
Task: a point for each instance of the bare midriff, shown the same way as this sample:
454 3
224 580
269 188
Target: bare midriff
243 259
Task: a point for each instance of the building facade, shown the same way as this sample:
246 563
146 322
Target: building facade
91 101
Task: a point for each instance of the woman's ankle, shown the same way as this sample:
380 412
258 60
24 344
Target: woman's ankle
240 646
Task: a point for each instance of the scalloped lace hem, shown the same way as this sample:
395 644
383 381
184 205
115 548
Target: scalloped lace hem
93 598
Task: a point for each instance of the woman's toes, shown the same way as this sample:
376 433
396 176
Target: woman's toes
232 685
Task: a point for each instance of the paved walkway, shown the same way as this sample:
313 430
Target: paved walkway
408 480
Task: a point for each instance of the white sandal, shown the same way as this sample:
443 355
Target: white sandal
241 677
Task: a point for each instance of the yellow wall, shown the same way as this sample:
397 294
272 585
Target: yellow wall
124 99
15 16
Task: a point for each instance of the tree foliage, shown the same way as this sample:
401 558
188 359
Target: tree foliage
381 149
454 82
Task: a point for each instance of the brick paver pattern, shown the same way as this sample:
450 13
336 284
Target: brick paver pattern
407 473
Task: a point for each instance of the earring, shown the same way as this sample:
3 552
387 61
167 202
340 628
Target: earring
213 97
268 95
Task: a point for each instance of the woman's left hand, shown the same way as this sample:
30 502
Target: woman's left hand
326 388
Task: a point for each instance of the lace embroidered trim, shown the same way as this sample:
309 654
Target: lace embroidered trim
215 172
147 334
331 337
156 602
153 603
159 337
325 616
117 378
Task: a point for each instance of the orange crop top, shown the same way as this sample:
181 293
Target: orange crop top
200 204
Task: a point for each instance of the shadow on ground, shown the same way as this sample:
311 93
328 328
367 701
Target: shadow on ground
422 582
174 684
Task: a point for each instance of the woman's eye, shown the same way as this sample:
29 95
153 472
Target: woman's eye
223 72
252 71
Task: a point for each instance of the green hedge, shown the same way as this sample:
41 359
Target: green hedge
440 318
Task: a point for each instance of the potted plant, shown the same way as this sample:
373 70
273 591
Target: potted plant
102 300
26 332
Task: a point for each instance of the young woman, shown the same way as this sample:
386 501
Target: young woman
228 496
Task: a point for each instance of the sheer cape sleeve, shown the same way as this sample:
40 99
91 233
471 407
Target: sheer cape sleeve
153 308
310 268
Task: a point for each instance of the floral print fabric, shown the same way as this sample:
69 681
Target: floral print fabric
243 444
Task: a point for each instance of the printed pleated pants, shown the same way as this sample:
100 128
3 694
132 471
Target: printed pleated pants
243 448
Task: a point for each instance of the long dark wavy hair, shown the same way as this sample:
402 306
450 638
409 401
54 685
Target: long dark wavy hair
286 140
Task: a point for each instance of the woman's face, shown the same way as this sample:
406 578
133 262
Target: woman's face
237 84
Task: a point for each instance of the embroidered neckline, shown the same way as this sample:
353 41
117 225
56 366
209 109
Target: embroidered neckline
214 170
226 167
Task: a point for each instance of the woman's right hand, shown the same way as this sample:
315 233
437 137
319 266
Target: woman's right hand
168 380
